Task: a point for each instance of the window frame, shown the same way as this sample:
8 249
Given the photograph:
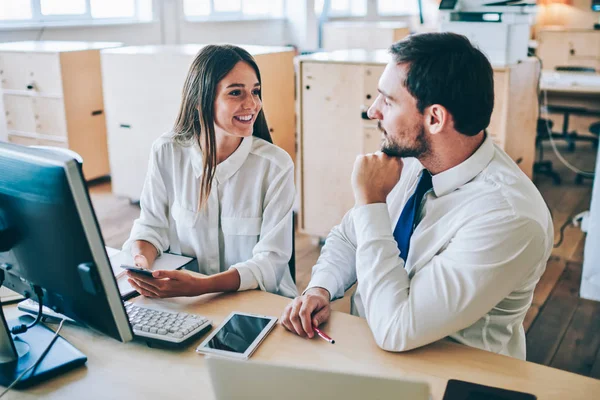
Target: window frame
38 20
399 14
348 12
232 15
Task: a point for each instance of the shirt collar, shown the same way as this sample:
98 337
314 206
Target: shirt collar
228 167
453 178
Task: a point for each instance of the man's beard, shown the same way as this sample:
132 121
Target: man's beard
418 149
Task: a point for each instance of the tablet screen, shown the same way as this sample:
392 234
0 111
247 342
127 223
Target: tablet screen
238 333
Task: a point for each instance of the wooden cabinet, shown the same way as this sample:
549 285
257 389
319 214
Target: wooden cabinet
142 94
336 88
569 47
52 96
365 35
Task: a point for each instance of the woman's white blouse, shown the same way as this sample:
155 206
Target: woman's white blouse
246 224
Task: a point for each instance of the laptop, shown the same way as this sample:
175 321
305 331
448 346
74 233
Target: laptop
236 379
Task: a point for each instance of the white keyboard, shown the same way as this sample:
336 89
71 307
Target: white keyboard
161 327
165 327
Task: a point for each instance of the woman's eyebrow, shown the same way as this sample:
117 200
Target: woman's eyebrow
241 85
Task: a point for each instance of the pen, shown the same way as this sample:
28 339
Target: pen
323 335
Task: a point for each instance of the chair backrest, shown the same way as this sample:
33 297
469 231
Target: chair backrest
574 68
292 262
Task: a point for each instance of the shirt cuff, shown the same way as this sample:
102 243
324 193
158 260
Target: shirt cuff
247 279
127 245
326 281
372 221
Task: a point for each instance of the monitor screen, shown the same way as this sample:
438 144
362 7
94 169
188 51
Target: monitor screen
49 238
595 5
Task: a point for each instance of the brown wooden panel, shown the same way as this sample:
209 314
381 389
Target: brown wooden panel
577 350
547 331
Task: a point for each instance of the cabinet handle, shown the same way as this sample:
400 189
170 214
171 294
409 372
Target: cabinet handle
125 126
96 112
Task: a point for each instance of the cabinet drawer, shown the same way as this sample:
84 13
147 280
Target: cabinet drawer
52 143
45 73
49 114
19 113
35 72
22 140
584 44
15 70
371 76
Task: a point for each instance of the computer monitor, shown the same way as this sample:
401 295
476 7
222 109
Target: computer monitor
50 242
595 5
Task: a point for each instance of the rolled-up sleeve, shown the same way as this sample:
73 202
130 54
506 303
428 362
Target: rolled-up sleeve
271 255
335 270
153 224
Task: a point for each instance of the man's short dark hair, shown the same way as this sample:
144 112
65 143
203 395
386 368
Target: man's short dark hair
446 69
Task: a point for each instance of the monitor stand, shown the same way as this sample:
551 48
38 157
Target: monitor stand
19 352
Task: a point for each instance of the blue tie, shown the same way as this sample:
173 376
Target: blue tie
406 222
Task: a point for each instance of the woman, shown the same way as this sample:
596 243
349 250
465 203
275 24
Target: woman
217 188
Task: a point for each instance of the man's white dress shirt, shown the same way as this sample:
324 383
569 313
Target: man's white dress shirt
480 247
246 224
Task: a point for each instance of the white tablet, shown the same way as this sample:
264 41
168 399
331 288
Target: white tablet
238 336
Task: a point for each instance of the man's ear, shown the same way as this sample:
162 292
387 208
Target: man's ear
436 118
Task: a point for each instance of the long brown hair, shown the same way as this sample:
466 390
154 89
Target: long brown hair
210 65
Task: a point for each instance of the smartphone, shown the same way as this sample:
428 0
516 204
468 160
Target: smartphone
461 390
138 270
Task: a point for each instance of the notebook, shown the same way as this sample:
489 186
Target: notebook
166 261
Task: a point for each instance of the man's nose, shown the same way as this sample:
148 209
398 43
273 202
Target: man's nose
373 112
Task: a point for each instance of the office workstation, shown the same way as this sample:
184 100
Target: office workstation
326 199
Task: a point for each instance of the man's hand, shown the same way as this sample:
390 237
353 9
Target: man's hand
374 176
169 283
306 311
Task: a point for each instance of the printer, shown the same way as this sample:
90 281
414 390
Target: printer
501 29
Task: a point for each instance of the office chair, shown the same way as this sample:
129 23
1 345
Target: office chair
570 137
594 130
292 262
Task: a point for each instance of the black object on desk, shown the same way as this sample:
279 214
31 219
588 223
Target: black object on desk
62 357
461 390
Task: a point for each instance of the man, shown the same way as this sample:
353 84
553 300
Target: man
448 237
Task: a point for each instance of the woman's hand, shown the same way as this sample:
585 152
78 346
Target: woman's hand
169 284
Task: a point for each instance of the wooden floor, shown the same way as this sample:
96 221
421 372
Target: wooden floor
562 329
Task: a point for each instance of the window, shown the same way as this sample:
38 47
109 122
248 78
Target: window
343 8
395 7
15 10
232 9
41 11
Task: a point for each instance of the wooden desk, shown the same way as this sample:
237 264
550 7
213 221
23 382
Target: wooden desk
133 371
579 92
